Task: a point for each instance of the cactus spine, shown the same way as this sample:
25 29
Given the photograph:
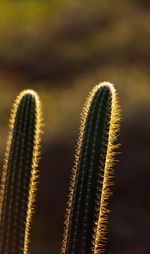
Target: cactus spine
88 206
20 173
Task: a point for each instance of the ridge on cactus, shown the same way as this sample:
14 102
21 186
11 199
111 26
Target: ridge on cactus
92 177
19 176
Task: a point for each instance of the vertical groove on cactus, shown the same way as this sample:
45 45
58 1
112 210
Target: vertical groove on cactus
20 173
87 212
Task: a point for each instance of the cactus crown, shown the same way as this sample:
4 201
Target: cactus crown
87 212
19 176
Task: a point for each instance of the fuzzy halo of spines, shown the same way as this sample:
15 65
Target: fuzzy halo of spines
35 160
101 227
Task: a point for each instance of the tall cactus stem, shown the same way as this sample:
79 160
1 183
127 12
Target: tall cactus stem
92 176
20 173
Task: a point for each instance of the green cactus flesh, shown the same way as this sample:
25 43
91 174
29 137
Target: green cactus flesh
90 183
19 174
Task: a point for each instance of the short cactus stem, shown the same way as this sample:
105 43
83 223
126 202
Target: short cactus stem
88 206
20 173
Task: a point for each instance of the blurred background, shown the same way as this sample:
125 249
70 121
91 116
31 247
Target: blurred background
62 48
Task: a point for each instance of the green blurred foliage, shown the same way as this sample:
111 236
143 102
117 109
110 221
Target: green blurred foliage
63 35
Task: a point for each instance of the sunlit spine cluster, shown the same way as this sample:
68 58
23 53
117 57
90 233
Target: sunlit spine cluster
19 176
90 191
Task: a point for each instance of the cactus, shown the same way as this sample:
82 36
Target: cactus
20 173
88 206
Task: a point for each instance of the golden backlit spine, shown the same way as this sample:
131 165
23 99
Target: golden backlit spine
101 232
